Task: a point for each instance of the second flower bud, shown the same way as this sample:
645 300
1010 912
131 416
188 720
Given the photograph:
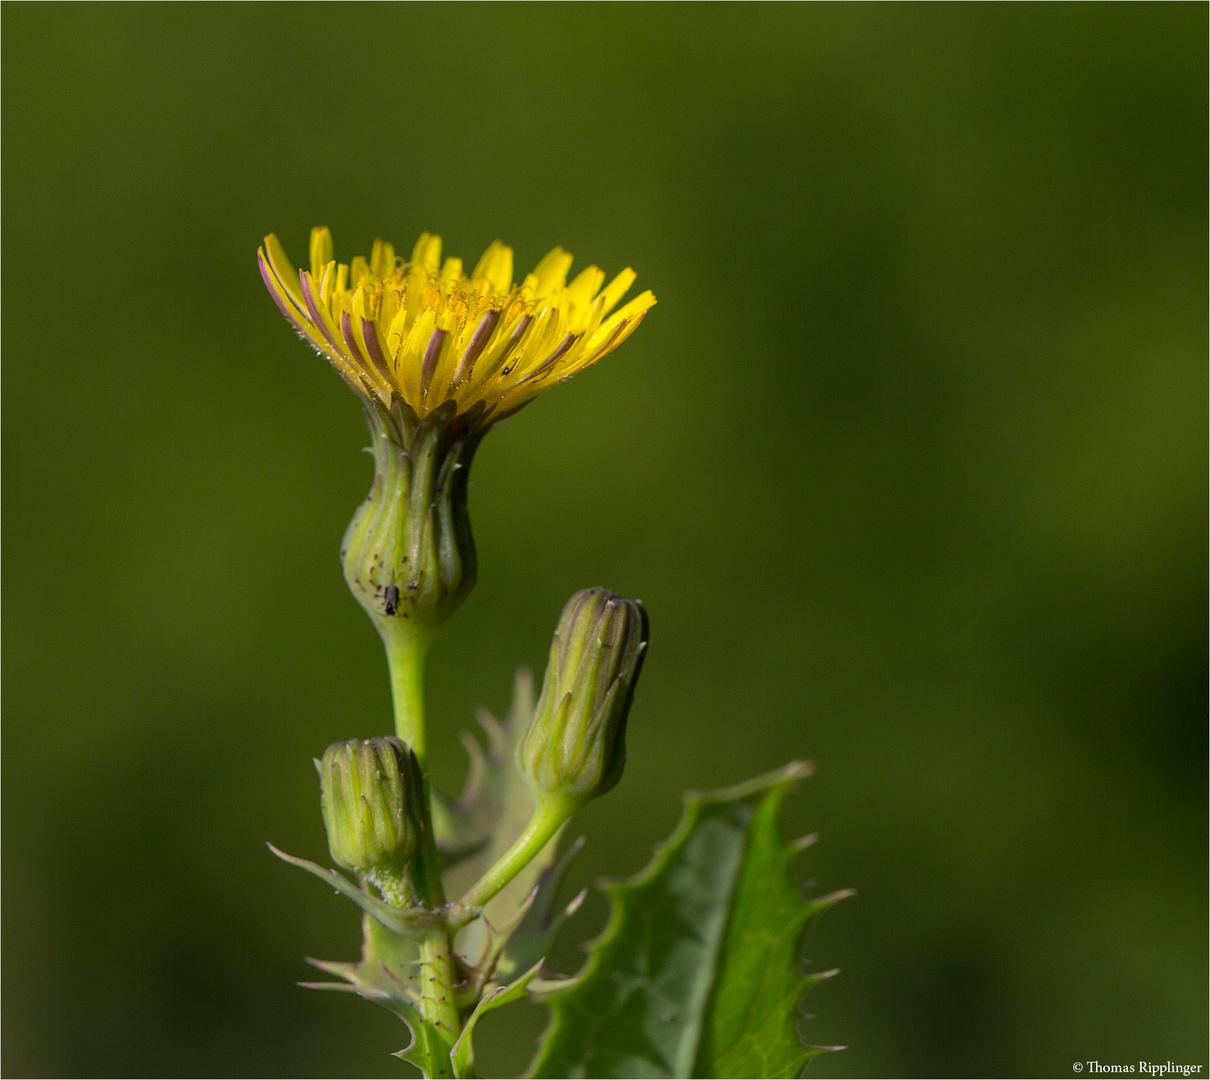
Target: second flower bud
575 747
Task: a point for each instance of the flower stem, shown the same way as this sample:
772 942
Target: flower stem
548 818
407 651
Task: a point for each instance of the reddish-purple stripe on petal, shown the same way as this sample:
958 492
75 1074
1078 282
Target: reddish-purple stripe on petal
322 323
546 364
522 326
346 328
369 335
610 343
505 362
431 354
280 297
518 334
476 345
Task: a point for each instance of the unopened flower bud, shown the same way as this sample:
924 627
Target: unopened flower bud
371 792
575 748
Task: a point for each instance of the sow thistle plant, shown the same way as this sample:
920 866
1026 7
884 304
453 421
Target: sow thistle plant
698 970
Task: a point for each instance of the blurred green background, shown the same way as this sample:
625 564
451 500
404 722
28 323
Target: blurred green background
908 465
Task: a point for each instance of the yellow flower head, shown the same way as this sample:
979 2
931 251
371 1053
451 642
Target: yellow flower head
426 333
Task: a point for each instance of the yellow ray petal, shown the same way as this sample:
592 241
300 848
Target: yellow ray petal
410 357
635 309
321 250
427 252
280 262
615 290
584 286
496 266
621 332
551 272
382 259
327 283
639 304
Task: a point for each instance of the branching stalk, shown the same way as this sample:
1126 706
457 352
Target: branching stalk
548 818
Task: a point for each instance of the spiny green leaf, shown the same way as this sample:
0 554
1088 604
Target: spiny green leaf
675 981
388 975
429 1051
750 1026
462 1057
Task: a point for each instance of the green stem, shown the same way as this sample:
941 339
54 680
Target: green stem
439 1003
407 651
548 818
406 654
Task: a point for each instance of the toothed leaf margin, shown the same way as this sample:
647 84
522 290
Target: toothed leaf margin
697 972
